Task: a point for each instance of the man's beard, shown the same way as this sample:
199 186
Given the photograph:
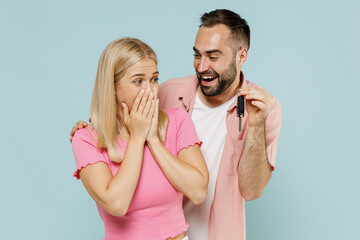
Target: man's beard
224 80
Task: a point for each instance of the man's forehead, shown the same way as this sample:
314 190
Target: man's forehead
212 38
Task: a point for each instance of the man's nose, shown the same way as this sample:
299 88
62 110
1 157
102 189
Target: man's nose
203 65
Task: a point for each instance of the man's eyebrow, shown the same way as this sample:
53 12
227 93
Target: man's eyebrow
214 51
209 51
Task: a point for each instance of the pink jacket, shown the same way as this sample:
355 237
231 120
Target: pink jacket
227 214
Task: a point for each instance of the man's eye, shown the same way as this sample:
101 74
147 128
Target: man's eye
213 58
137 81
196 55
155 79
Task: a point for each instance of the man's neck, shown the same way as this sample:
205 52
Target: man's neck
219 100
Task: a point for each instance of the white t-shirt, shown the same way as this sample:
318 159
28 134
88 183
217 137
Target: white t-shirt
210 125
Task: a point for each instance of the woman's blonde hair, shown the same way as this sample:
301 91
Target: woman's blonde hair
116 58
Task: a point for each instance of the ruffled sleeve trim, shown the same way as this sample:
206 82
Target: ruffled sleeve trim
78 169
198 142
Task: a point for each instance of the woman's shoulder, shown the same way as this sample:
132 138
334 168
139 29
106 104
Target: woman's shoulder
176 112
177 117
87 134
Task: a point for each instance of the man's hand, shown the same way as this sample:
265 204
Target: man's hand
79 125
257 104
254 170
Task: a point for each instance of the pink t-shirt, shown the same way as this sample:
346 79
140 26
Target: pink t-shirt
155 211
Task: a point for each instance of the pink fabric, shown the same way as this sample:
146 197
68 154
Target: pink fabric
227 214
156 210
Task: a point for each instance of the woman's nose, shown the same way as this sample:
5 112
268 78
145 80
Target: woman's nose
147 87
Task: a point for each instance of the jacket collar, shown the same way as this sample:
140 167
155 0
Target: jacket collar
187 95
243 85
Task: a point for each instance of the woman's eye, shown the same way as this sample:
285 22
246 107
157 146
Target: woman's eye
155 79
137 81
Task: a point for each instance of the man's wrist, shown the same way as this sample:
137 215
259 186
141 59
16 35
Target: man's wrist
258 125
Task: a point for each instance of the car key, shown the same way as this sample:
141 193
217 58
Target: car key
240 109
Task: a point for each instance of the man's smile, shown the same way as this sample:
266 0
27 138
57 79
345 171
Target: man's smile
207 79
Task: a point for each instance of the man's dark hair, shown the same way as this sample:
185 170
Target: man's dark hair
240 31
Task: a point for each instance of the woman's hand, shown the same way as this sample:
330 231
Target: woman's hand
153 131
138 120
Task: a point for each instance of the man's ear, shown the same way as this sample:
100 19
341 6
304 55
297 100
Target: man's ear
241 56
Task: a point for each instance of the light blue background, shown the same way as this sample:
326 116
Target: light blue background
306 53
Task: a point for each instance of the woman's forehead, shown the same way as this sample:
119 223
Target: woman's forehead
145 66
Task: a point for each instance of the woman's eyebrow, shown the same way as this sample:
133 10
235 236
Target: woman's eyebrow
138 75
142 75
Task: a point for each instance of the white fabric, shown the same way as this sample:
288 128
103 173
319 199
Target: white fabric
210 125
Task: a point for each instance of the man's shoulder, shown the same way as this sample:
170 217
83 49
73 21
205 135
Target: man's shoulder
173 91
177 83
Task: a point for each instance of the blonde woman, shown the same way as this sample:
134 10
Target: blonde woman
135 160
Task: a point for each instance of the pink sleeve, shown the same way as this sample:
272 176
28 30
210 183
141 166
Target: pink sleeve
273 124
85 151
185 131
